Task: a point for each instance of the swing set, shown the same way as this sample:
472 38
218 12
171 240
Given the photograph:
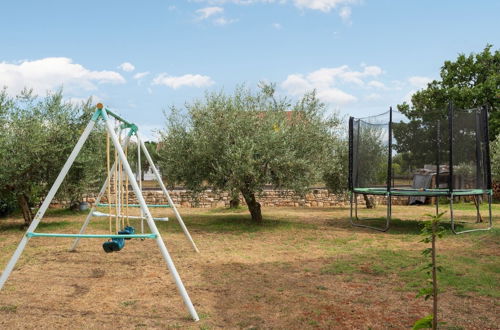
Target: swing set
119 178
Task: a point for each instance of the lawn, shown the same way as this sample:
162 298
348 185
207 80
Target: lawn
303 268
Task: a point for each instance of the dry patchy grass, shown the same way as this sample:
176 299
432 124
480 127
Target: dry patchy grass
304 268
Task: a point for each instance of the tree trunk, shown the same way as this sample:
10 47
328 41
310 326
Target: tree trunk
23 202
477 203
253 205
234 203
369 202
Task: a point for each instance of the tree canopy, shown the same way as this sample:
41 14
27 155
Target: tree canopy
36 137
468 82
241 142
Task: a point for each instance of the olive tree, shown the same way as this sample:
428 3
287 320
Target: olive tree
37 136
244 141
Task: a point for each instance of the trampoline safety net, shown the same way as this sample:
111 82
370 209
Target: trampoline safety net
448 149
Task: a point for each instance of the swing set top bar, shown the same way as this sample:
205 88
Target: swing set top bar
31 234
101 111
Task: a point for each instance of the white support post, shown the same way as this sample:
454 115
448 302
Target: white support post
151 223
97 201
139 176
48 199
165 191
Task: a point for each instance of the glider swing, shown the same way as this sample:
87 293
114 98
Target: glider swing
119 177
116 244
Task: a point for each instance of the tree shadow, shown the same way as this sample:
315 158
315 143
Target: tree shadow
232 223
19 226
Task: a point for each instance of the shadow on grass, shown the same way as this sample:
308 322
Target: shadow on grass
397 226
18 226
401 227
56 213
232 223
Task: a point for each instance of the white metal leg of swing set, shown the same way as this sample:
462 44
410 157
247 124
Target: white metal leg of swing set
53 190
165 192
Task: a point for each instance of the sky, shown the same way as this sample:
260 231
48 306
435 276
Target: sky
140 58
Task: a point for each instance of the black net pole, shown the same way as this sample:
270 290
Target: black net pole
438 160
479 152
450 129
351 145
487 147
389 158
355 175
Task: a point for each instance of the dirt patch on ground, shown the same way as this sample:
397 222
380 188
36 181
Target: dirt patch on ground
285 275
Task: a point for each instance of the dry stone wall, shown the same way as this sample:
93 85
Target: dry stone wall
269 198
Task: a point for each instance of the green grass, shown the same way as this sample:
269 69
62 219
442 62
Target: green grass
8 309
466 273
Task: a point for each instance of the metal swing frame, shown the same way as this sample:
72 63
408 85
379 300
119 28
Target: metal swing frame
105 114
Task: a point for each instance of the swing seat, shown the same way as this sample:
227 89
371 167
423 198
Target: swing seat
114 245
129 230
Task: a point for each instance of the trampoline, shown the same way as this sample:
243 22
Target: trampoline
441 154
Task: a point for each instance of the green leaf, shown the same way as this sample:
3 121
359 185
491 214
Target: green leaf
423 323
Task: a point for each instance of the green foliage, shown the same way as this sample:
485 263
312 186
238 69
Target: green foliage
7 204
244 141
337 169
37 135
470 81
371 155
424 323
430 232
495 158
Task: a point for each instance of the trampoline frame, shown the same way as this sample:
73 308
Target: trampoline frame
450 193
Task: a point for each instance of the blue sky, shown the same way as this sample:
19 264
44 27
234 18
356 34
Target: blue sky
139 58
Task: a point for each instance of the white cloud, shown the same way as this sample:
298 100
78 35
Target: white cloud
81 100
335 95
322 5
53 72
140 75
277 26
326 82
127 67
190 80
345 14
373 97
205 13
343 74
224 21
150 132
419 82
297 84
376 84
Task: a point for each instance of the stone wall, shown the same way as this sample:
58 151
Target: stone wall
270 198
